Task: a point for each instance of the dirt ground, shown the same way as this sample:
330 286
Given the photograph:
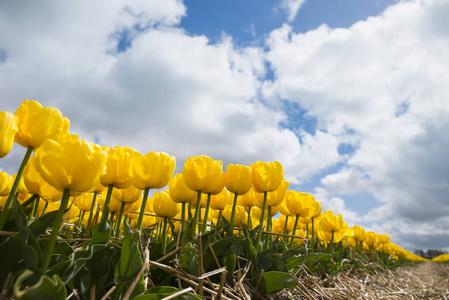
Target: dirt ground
428 280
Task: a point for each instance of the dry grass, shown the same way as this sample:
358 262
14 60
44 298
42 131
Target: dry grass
427 280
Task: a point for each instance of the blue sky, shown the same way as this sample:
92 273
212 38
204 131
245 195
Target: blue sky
349 95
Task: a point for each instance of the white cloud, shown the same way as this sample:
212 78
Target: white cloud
379 86
291 7
168 91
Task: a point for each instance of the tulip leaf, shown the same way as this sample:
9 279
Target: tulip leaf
100 233
275 281
20 251
276 263
40 225
129 264
189 259
230 261
250 250
49 288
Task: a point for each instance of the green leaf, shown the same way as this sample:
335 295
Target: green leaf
276 263
189 259
250 250
230 261
100 233
129 264
275 281
40 225
20 251
48 288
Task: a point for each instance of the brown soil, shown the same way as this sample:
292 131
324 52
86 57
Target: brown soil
428 280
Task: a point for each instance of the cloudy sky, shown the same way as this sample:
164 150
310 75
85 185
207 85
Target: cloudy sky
351 96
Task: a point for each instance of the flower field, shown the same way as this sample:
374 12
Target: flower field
77 222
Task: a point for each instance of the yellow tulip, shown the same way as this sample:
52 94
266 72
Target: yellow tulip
330 222
219 201
326 236
8 130
202 173
384 239
359 233
36 184
6 181
238 179
116 171
290 223
240 215
84 201
153 170
73 165
164 206
130 194
37 123
248 200
296 203
274 198
267 176
179 192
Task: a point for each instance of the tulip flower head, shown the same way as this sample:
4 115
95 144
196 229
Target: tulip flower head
274 198
37 123
8 130
5 184
164 206
36 184
202 173
238 179
73 165
267 176
179 191
116 171
153 170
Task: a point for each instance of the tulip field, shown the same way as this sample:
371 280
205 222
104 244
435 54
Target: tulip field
82 221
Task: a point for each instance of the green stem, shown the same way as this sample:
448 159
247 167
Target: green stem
183 215
15 187
206 213
268 236
332 242
105 213
56 227
83 212
249 222
30 200
294 230
197 211
313 233
234 205
164 235
142 208
262 217
45 208
111 219
285 228
92 207
220 213
119 219
35 208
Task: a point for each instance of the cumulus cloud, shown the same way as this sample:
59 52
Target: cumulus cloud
127 74
378 86
135 78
